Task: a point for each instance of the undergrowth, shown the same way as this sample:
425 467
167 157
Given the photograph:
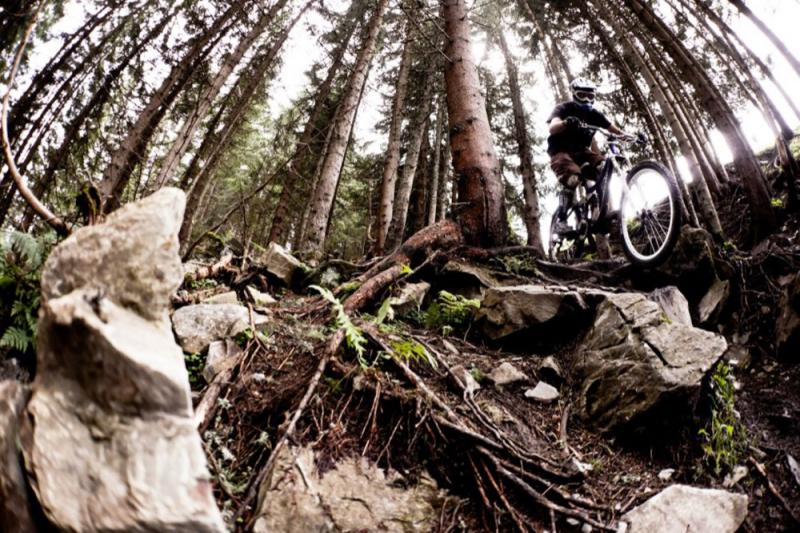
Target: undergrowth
450 312
21 259
724 439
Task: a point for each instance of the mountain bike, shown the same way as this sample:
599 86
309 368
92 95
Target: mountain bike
648 217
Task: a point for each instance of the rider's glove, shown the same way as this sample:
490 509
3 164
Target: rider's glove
572 122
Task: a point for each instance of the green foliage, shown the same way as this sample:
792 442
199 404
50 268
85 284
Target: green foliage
450 311
517 264
409 350
195 363
353 336
725 439
777 203
384 312
729 246
21 259
477 374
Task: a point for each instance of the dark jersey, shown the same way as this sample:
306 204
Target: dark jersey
574 139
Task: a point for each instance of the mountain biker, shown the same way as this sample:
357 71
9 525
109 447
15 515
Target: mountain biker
574 156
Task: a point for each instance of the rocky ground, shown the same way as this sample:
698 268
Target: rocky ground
481 392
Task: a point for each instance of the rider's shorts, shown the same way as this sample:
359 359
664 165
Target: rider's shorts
567 166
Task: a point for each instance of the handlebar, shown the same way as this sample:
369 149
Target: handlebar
640 139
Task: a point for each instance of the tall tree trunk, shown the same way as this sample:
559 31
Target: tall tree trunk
480 188
418 129
322 199
556 74
237 102
444 180
436 171
298 178
417 216
131 149
186 134
768 33
745 162
389 180
531 213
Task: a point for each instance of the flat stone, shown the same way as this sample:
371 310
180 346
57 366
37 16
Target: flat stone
410 298
680 509
354 495
506 374
197 326
282 265
508 310
543 392
228 297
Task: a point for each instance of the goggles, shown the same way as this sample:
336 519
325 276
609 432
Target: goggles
584 96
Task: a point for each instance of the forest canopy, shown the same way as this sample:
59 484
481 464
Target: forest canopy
329 127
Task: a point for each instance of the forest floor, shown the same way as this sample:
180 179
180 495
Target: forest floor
389 409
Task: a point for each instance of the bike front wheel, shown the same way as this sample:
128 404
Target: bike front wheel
650 214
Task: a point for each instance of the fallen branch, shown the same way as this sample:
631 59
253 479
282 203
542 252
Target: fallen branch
773 489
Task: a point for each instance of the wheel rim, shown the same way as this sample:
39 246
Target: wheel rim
648 214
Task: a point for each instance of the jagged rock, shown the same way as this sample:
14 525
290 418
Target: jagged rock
710 307
465 278
692 265
543 392
633 361
260 299
222 355
197 326
505 374
787 327
410 298
228 297
674 304
680 508
508 310
15 512
111 444
355 495
550 370
465 380
132 257
282 265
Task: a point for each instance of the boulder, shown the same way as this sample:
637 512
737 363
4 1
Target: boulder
506 374
15 512
110 441
674 304
197 326
222 355
787 327
282 265
132 257
466 279
633 362
508 310
712 304
355 495
680 508
410 298
228 297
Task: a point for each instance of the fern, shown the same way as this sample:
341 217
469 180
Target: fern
353 336
450 311
17 339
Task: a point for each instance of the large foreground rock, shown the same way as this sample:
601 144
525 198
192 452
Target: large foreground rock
682 509
15 513
197 326
110 443
634 362
353 496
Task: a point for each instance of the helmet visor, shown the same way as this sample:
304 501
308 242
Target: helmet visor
584 96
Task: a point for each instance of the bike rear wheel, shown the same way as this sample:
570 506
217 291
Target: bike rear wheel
650 214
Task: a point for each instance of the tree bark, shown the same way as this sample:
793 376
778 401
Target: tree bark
768 33
482 214
531 213
436 171
323 197
389 180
